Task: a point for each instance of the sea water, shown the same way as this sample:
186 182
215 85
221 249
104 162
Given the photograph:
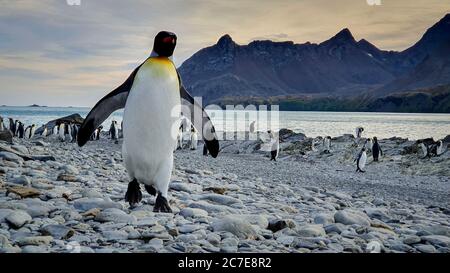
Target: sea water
381 125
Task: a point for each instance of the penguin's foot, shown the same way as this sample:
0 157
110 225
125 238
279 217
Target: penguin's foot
150 189
161 204
134 194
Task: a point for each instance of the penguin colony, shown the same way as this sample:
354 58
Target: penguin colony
66 131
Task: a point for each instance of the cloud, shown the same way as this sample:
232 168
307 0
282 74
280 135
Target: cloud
55 54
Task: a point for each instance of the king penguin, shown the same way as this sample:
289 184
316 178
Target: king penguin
28 132
361 161
193 138
152 91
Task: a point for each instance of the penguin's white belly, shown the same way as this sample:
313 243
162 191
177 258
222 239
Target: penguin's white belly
194 140
151 122
362 161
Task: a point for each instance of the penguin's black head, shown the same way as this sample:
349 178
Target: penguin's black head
165 43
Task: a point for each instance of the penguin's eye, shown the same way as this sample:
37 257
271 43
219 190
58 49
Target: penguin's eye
169 40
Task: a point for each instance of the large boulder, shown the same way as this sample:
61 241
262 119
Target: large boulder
446 139
344 138
6 135
290 136
74 118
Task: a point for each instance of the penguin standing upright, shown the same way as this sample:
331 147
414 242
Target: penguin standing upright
361 161
327 144
16 126
44 132
153 91
112 131
359 131
275 146
20 130
97 134
68 133
32 130
193 138
27 133
376 150
368 145
12 126
74 132
180 139
252 128
61 131
116 130
1 124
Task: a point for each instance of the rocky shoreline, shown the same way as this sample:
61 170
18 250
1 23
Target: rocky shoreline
307 201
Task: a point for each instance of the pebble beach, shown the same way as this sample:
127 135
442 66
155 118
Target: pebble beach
306 201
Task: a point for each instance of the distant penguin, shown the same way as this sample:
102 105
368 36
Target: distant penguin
20 130
180 139
193 138
55 130
27 134
327 144
252 128
361 161
99 130
61 131
1 124
275 146
113 130
68 133
74 132
150 96
183 123
369 145
116 130
376 150
358 132
12 126
44 132
32 130
16 127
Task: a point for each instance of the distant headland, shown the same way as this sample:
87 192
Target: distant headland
35 105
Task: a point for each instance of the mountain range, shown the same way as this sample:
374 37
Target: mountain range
338 70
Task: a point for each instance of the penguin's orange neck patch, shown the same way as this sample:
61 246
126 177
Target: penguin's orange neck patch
161 66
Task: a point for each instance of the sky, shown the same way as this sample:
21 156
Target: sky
56 54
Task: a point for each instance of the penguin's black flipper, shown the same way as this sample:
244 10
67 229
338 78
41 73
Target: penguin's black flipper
203 124
104 108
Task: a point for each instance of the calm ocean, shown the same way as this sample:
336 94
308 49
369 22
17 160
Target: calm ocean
382 125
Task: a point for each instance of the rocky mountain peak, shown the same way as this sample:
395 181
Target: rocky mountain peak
225 40
344 36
